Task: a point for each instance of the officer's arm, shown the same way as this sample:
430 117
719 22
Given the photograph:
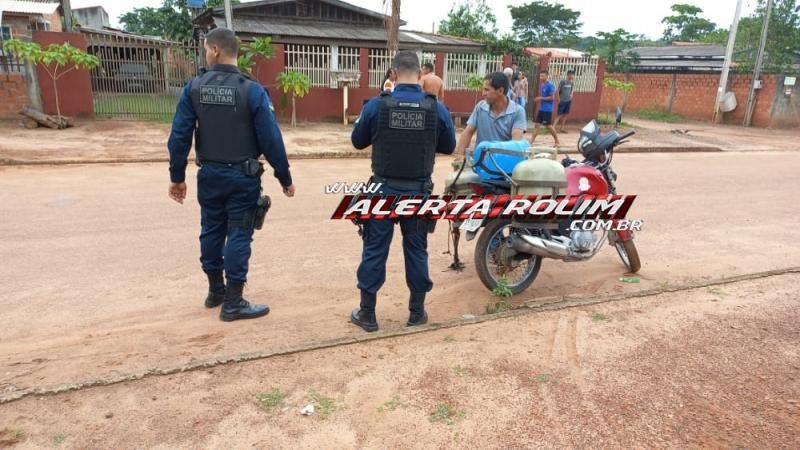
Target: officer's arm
362 131
269 136
447 132
180 139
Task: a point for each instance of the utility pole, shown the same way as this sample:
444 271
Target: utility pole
67 15
723 79
751 100
229 14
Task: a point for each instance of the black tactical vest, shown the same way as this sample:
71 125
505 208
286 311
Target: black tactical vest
405 144
225 131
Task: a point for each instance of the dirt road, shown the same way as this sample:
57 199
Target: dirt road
101 272
707 368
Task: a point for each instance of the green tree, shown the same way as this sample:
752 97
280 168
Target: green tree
262 47
171 20
298 84
685 25
57 60
540 23
612 47
783 36
622 86
471 19
475 83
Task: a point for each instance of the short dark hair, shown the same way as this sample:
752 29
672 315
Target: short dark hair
498 80
544 72
225 39
570 72
406 61
428 66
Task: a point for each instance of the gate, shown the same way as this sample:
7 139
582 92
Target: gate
140 78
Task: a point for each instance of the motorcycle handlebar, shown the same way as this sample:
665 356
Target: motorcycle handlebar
626 135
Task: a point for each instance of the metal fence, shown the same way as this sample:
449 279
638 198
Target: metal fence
585 72
460 66
140 78
379 62
9 63
312 60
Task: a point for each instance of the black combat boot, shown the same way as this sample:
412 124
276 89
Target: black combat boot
365 315
236 307
416 308
216 289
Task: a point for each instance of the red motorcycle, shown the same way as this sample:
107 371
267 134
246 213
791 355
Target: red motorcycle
512 250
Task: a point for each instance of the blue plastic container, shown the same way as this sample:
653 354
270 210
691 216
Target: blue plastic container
506 162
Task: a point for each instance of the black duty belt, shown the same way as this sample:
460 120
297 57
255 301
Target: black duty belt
404 184
250 166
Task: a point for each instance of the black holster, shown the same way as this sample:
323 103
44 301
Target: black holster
253 167
260 212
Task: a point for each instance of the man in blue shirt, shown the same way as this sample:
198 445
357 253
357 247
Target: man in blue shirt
495 118
235 124
545 100
406 128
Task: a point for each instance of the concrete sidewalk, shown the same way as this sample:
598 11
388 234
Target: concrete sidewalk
127 141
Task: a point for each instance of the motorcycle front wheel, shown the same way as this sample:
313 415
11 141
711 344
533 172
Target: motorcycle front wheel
628 254
494 261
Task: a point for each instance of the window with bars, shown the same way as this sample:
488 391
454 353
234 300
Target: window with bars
5 33
312 60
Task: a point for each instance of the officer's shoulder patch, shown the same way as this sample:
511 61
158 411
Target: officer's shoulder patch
218 95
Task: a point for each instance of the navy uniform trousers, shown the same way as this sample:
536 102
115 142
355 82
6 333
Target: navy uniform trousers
225 194
377 240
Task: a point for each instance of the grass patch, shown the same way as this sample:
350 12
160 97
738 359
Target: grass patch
271 400
498 307
460 371
502 290
449 338
543 378
391 405
324 406
597 317
659 115
12 437
158 108
445 413
58 439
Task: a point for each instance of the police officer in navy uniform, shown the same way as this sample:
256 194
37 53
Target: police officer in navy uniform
406 128
235 124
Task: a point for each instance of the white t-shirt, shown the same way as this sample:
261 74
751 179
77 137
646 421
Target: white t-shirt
388 85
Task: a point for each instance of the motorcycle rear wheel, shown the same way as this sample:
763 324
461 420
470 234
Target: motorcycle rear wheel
486 250
629 255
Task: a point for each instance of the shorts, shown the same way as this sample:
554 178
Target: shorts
544 117
563 107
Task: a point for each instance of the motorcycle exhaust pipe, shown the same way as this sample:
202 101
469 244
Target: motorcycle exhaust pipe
540 247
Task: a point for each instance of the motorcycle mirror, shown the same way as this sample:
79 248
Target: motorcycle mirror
618 119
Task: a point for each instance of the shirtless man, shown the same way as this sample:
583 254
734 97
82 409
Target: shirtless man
431 83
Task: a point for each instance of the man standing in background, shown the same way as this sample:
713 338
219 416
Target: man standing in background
431 83
565 90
